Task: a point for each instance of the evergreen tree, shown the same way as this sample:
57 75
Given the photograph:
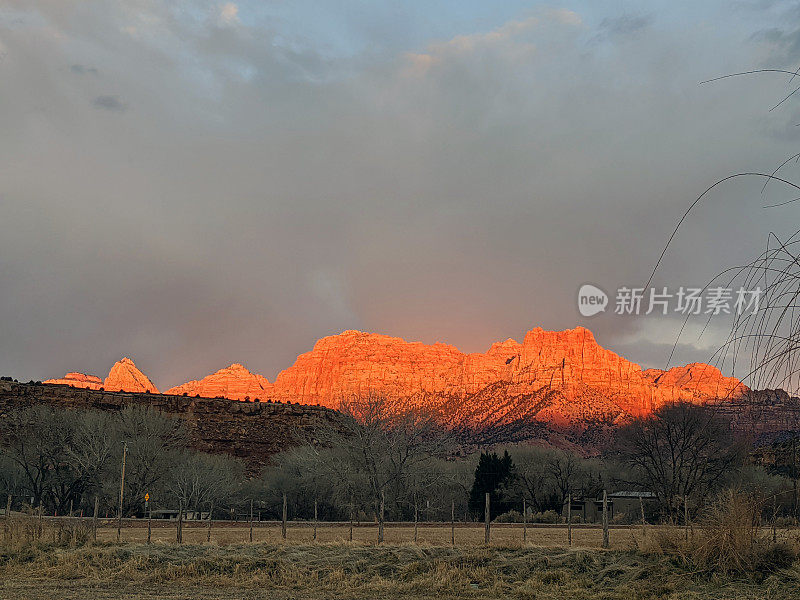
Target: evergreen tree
492 474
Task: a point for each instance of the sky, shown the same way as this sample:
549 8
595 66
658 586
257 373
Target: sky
194 183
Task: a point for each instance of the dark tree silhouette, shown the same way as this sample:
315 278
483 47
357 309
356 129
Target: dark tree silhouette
681 452
492 474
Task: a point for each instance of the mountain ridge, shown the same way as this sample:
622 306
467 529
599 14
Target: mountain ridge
562 378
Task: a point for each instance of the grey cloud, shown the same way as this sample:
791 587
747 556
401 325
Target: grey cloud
625 24
112 103
262 195
82 69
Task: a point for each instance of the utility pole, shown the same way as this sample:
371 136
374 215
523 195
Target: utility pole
121 489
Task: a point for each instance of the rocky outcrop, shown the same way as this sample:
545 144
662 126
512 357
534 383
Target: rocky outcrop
699 379
78 380
125 377
559 377
234 382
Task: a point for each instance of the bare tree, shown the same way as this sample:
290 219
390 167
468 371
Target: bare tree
374 450
681 451
153 441
59 454
199 480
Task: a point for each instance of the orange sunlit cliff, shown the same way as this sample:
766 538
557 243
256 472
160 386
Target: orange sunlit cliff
556 377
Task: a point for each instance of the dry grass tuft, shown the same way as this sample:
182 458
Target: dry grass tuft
727 540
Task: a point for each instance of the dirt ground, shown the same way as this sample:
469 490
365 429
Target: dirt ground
471 534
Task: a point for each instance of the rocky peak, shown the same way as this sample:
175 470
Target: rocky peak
126 377
79 380
235 382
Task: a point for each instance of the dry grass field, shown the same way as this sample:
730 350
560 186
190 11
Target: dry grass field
227 568
361 572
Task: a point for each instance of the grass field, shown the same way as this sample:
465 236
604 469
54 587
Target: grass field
542 569
361 571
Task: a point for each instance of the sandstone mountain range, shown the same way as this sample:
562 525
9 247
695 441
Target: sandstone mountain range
558 378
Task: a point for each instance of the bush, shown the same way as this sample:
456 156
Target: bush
727 540
548 516
511 516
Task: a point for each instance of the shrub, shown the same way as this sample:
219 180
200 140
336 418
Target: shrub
511 516
548 516
727 540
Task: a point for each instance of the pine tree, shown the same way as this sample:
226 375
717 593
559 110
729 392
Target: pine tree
491 475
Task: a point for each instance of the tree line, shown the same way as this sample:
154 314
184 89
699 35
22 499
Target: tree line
373 463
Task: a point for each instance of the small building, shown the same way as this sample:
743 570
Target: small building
625 506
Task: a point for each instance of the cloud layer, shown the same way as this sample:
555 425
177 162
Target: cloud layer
200 183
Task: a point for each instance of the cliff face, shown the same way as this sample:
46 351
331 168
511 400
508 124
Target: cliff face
234 382
554 376
562 378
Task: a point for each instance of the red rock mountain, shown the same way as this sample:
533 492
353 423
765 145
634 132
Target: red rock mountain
234 382
124 376
554 377
78 380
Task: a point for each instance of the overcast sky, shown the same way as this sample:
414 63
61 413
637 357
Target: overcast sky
192 184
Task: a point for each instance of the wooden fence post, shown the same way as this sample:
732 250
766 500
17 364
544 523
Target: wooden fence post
380 517
283 522
71 523
416 518
644 522
352 508
487 520
149 522
524 522
8 519
315 519
251 520
210 517
180 523
121 490
605 519
452 522
94 518
686 516
569 519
